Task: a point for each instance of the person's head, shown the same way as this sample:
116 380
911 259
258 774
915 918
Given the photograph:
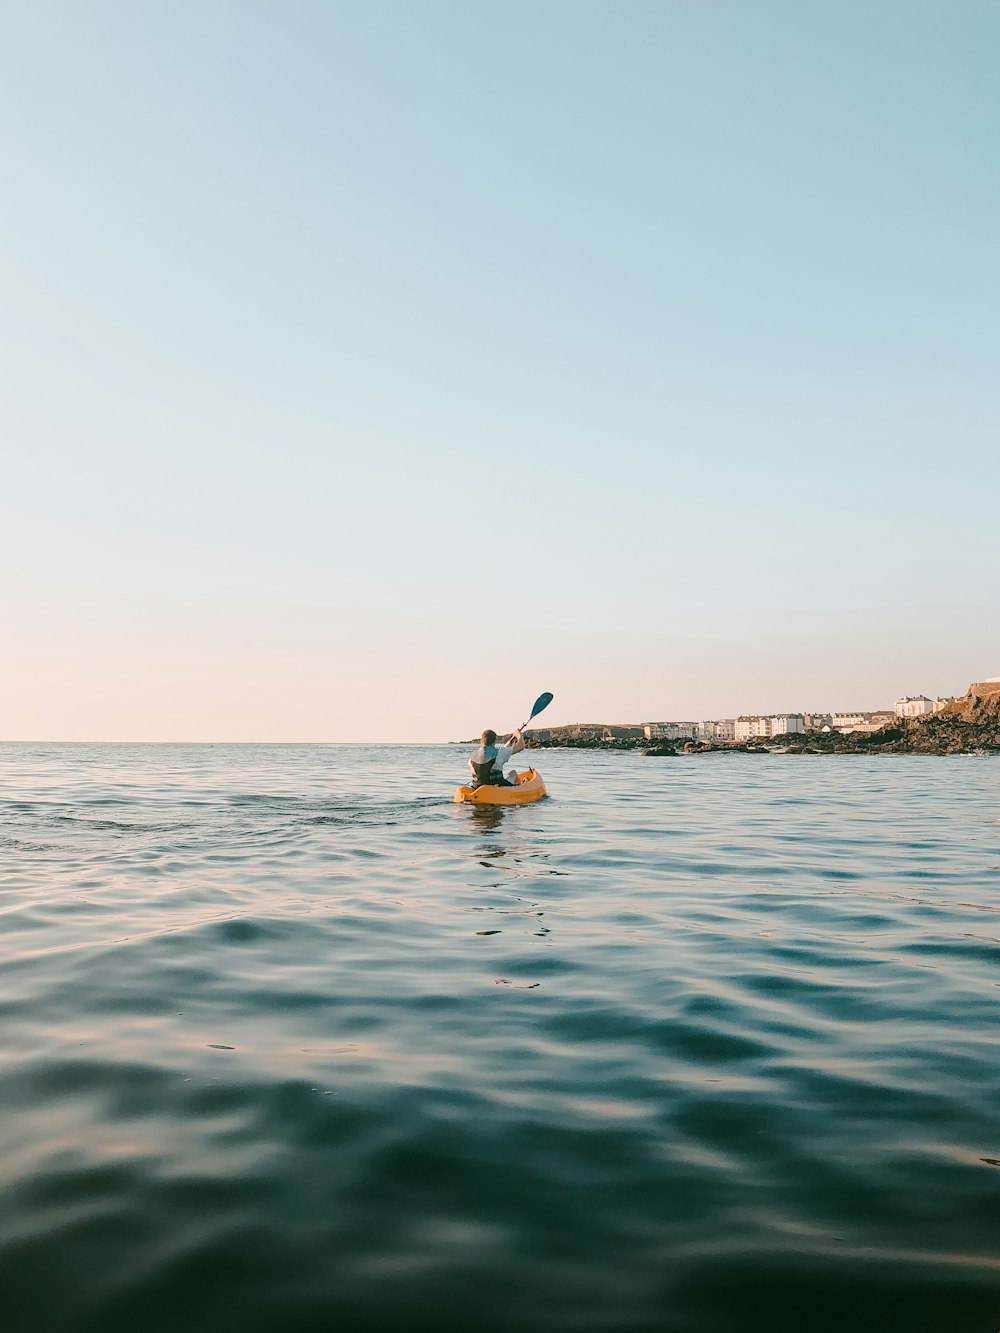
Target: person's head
489 737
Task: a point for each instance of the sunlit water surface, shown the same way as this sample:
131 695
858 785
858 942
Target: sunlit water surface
290 1042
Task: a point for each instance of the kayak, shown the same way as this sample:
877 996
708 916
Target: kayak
530 787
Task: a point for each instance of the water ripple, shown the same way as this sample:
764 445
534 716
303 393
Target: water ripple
697 1046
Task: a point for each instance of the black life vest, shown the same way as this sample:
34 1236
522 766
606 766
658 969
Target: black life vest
486 775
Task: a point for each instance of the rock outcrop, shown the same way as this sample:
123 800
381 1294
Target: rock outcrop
970 724
589 736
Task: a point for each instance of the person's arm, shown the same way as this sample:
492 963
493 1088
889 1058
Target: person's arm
516 743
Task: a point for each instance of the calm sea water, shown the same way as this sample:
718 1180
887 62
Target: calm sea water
290 1042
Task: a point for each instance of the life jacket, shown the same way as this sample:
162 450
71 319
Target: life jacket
486 775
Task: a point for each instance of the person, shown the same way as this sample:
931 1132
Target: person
488 761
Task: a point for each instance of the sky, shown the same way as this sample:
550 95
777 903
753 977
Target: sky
368 368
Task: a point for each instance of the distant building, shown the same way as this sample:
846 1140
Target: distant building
752 728
847 721
721 730
670 731
917 705
882 719
762 727
787 724
983 687
861 722
817 721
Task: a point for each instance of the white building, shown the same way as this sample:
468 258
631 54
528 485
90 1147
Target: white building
722 729
847 721
787 724
916 706
752 728
862 722
670 731
775 724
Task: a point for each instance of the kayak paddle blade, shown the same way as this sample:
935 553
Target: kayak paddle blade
541 702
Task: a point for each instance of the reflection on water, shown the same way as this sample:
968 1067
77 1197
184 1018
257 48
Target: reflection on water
705 1045
487 817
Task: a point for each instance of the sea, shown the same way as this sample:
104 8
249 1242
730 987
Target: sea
289 1041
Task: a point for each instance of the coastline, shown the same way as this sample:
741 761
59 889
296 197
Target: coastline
970 725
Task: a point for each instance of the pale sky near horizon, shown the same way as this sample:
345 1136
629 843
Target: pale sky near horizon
369 368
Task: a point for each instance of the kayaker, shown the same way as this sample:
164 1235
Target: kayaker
488 761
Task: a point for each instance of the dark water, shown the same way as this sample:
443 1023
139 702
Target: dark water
287 1041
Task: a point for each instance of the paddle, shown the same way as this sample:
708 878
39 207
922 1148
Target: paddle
541 702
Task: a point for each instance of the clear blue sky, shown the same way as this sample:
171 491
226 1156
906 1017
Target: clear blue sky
368 368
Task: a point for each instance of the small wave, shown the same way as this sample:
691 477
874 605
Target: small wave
709 1052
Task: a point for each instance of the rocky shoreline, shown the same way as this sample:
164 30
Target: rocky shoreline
970 725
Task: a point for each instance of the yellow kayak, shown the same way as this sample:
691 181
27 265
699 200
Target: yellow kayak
530 787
